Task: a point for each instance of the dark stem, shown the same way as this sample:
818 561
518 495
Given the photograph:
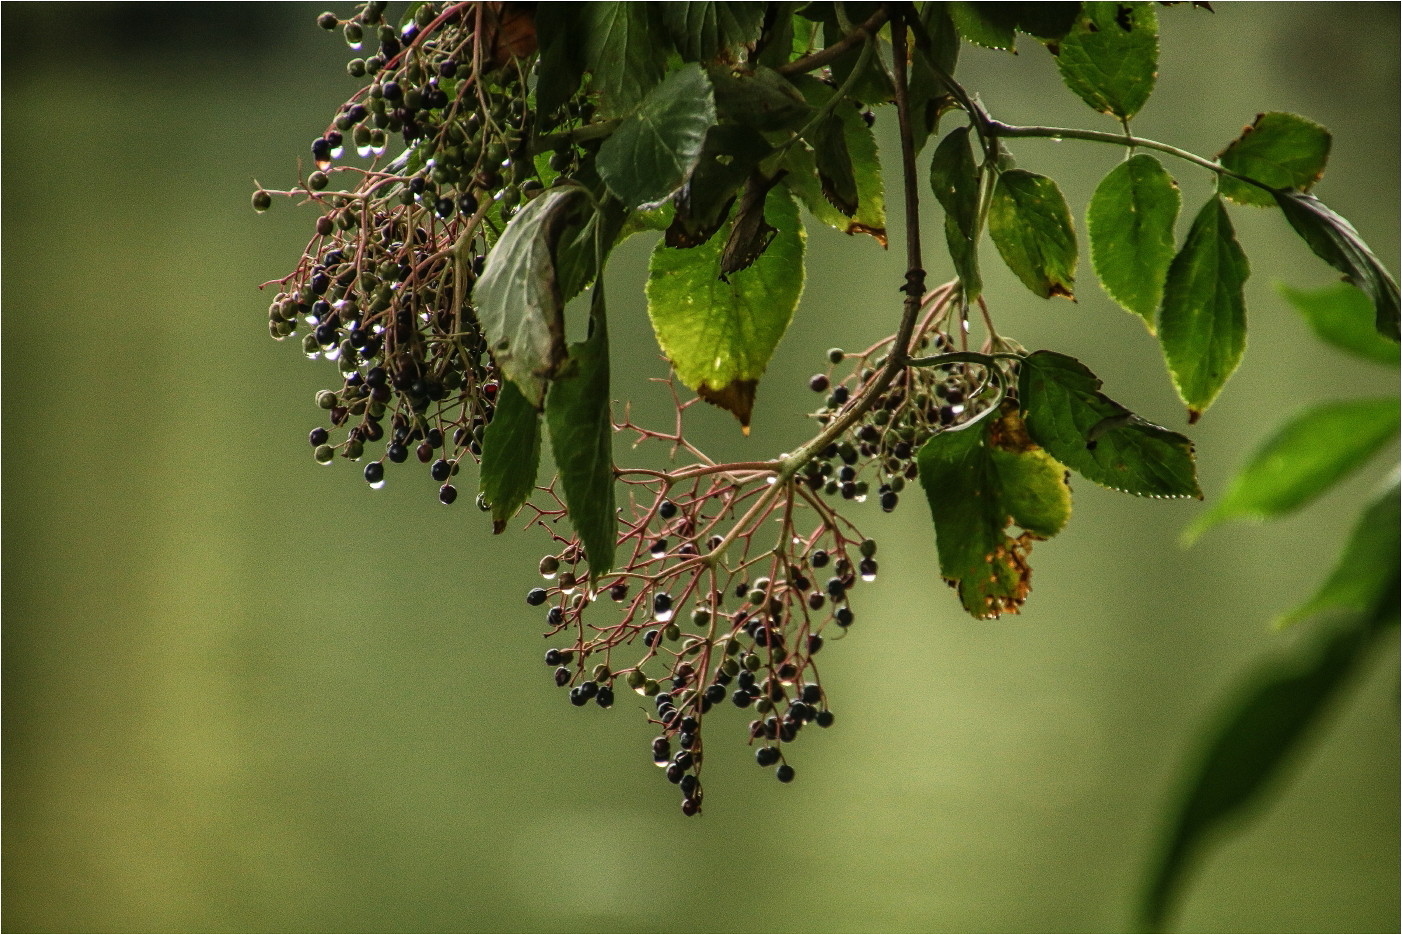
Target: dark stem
822 57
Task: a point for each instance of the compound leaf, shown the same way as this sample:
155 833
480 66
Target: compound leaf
623 47
720 333
1030 224
1367 566
979 481
1342 316
1097 437
581 438
510 454
654 151
1110 59
703 31
1202 322
1305 457
1279 150
520 300
1130 224
1333 239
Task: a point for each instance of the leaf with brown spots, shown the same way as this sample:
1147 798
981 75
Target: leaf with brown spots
720 333
980 481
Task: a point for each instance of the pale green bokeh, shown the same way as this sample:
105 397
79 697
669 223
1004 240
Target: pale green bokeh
243 692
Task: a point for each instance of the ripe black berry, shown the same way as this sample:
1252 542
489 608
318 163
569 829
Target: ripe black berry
397 452
604 698
824 719
440 470
767 756
447 494
318 436
666 509
784 773
536 596
818 383
374 472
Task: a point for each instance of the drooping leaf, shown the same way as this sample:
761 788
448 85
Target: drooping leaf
624 46
802 176
991 25
654 151
1252 738
1305 457
836 176
719 334
1110 59
1030 224
559 66
761 99
954 178
1342 316
1333 239
727 160
510 454
978 482
703 31
581 439
1202 322
1097 437
750 231
1367 567
1130 225
520 302
1279 150
928 96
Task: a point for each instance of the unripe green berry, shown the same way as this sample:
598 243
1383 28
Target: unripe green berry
353 33
325 399
327 21
354 449
262 201
636 679
868 548
836 355
317 181
672 633
323 454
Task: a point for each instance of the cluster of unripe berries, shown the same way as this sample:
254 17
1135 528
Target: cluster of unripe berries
385 286
885 440
750 647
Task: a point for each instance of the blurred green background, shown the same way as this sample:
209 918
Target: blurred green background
243 692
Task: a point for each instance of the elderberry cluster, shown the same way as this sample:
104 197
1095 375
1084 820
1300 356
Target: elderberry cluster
883 443
384 288
697 638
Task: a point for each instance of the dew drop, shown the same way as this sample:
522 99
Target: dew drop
662 616
377 485
338 152
362 151
869 577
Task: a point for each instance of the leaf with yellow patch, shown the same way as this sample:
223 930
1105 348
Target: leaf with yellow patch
979 482
720 333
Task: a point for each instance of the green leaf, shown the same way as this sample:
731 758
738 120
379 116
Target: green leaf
1130 224
1031 226
719 334
836 176
1333 239
1367 567
559 68
581 438
1251 739
1279 150
928 96
872 85
654 152
510 454
1097 437
1047 21
761 99
1110 59
979 481
520 302
990 25
623 46
954 178
1305 457
803 179
703 31
1342 316
1202 323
